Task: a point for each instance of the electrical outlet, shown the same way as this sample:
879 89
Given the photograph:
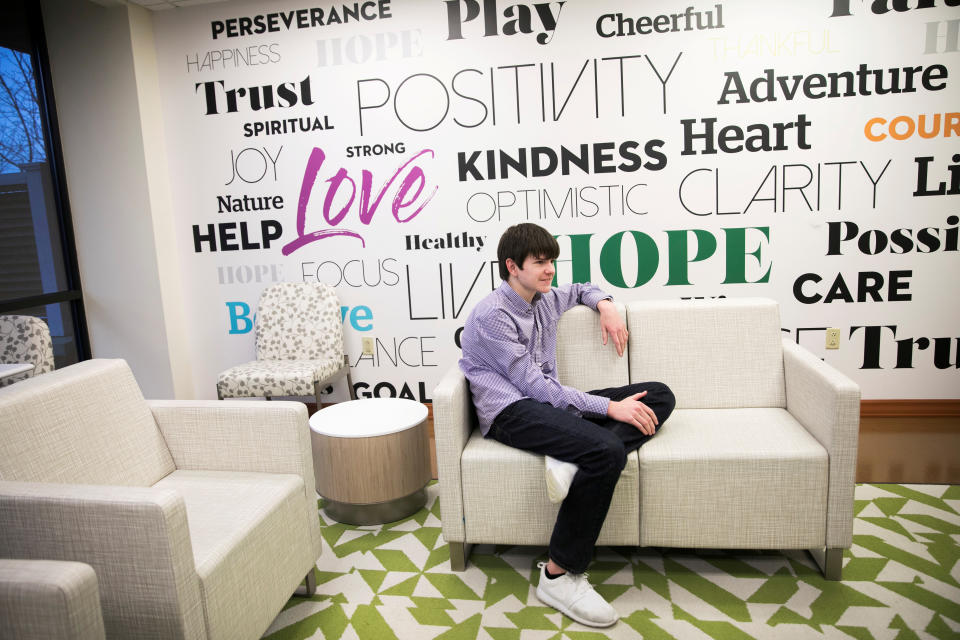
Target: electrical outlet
367 346
833 338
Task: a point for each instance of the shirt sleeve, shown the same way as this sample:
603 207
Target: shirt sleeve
511 360
570 295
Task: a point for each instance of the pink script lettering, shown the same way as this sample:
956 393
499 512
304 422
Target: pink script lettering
408 191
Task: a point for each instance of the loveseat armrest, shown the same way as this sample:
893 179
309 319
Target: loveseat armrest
135 538
50 599
453 421
827 404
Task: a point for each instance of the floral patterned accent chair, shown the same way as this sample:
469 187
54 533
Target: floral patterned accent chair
299 338
25 339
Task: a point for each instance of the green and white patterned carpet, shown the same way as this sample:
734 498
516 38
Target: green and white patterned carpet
901 581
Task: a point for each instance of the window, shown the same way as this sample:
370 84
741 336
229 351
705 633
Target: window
38 268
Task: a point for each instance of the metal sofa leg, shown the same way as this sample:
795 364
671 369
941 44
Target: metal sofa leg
830 562
459 552
350 389
310 585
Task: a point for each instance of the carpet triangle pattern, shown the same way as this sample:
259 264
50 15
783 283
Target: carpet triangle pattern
901 582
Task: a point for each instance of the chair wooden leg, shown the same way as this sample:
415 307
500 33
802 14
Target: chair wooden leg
459 552
830 562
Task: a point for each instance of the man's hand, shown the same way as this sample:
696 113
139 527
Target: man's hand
632 411
612 324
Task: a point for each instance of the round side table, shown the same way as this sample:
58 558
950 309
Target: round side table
371 459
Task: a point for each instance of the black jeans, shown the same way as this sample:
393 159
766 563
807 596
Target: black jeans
597 445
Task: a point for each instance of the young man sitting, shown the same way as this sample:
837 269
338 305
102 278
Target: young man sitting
509 358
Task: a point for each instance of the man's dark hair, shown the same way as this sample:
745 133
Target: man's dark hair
523 240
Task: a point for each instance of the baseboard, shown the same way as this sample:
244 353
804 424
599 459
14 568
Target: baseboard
909 409
909 441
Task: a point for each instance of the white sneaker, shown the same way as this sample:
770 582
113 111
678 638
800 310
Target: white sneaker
573 596
559 478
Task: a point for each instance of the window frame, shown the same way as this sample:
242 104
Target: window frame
73 294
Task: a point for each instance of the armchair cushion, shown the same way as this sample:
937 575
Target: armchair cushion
733 478
235 435
241 526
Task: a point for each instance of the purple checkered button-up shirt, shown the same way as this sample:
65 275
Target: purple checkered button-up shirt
510 351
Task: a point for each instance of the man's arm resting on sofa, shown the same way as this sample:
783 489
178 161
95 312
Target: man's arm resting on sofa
135 538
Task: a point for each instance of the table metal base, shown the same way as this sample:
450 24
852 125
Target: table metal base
377 513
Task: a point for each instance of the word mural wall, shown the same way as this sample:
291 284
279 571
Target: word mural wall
806 152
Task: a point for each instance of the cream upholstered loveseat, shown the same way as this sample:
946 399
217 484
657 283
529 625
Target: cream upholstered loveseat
199 518
760 452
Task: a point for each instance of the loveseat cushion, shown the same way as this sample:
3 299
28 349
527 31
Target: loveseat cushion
84 424
713 354
733 478
248 532
505 497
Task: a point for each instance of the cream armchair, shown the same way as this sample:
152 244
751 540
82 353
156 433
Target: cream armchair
199 518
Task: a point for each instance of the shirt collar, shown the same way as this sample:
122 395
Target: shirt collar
515 302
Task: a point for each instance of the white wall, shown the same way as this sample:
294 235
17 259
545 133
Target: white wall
146 165
118 217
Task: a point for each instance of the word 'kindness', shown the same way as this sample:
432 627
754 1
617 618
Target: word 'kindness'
406 195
